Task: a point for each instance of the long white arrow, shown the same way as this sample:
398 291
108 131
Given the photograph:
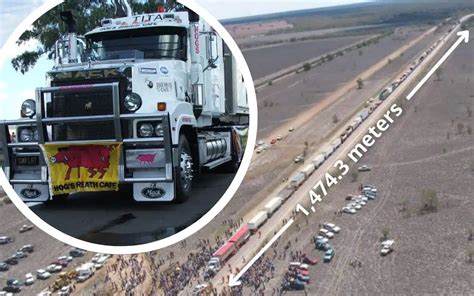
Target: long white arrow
463 36
234 281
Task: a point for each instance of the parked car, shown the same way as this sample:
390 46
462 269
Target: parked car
348 210
279 138
12 289
273 141
20 255
65 258
27 249
303 278
44 293
5 240
364 168
25 228
295 284
326 233
298 159
332 227
54 268
11 261
291 129
328 255
42 274
76 252
65 291
4 266
310 260
29 279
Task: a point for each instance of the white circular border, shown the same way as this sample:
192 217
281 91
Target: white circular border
204 220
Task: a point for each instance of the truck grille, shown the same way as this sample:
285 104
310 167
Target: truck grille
98 102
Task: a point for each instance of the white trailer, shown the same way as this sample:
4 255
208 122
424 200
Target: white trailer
297 180
364 114
318 160
272 205
308 170
257 221
328 151
336 143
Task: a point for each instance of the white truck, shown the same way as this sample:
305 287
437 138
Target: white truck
308 169
85 271
163 86
273 205
318 160
257 221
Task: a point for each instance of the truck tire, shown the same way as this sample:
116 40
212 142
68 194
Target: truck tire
184 170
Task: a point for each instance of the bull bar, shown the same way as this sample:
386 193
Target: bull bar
41 123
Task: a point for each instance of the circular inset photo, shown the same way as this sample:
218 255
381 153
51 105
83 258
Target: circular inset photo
128 127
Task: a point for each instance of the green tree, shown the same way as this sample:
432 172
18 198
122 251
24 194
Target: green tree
88 14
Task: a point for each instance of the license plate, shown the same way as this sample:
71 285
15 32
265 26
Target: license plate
27 160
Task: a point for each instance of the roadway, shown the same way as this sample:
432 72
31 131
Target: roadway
274 223
114 218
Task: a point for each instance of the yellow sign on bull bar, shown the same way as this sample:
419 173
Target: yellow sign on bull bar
82 167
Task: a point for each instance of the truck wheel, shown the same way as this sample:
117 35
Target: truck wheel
184 171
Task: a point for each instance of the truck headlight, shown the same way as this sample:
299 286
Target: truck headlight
132 102
145 130
28 108
159 130
28 134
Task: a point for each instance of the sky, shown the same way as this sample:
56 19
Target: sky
15 87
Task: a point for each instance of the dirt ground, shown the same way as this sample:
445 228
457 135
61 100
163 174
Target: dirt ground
255 30
430 147
270 59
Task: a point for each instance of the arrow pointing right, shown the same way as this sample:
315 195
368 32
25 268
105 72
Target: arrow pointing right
463 36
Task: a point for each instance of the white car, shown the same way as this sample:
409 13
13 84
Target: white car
326 233
279 138
65 258
354 206
29 279
360 202
259 150
322 239
385 251
65 291
364 168
295 264
54 268
332 227
42 274
361 197
348 210
291 129
261 142
304 266
44 293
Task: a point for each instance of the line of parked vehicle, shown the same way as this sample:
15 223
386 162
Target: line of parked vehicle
356 202
297 275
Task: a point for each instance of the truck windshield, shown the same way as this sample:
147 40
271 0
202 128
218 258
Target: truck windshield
149 43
